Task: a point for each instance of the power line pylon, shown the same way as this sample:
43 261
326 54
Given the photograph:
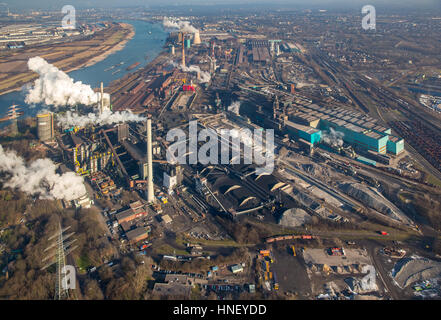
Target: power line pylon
58 256
13 114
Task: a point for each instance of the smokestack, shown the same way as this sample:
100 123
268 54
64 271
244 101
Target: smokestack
102 98
150 193
183 51
196 38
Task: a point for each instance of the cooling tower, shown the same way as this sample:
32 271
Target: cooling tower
196 38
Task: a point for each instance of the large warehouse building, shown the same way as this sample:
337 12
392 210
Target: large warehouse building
358 129
306 133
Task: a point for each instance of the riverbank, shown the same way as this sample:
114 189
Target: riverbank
66 56
116 48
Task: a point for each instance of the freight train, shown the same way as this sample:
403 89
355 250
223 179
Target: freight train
290 237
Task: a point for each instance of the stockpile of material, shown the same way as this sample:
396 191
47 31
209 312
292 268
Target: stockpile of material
371 198
410 270
294 217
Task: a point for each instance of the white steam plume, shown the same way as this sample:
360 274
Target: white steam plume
183 26
204 76
39 178
234 107
54 87
333 138
71 119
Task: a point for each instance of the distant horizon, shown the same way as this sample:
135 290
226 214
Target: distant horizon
420 5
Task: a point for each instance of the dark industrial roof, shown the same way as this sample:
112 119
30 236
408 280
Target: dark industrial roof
134 234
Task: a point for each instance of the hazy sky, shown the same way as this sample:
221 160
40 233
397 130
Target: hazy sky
54 4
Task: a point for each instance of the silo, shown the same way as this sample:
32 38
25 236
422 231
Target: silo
45 126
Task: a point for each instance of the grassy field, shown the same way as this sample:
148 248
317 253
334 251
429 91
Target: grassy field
169 250
432 180
83 263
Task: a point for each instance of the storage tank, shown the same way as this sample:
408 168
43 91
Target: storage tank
45 126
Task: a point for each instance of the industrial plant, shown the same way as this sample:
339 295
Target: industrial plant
251 156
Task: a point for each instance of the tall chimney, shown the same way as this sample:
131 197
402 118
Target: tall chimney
183 50
150 193
102 98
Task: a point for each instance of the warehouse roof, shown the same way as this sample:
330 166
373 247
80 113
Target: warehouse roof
166 218
314 106
124 214
395 139
374 135
297 126
136 233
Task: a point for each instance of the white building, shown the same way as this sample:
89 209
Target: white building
83 202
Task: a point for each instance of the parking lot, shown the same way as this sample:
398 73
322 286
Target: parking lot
291 271
321 256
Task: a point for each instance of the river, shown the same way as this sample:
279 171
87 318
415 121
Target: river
145 46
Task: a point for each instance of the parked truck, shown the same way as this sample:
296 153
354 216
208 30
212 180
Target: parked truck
276 283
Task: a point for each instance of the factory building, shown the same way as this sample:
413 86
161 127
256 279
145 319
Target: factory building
173 177
89 158
395 145
83 202
138 234
357 136
359 130
298 131
305 119
135 210
45 126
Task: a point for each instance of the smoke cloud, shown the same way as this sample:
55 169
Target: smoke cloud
204 76
55 88
183 26
71 119
333 138
39 178
234 107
